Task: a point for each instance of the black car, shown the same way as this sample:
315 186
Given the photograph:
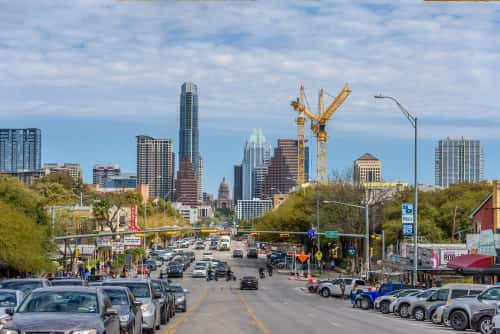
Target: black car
252 253
249 283
26 285
180 297
128 308
166 303
69 309
221 269
237 253
175 270
69 282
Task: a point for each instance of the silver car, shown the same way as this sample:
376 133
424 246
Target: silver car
383 303
9 299
401 305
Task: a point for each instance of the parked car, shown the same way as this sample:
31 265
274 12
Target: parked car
402 305
180 297
237 253
68 309
69 282
437 316
200 269
496 324
175 270
165 302
129 309
249 283
313 287
366 299
26 285
443 295
475 313
9 299
383 303
252 253
332 288
143 291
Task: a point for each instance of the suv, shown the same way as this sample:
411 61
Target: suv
401 305
166 302
383 303
252 253
143 291
332 288
26 285
443 295
475 313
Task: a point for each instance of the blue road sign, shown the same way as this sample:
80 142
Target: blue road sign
351 251
311 233
407 229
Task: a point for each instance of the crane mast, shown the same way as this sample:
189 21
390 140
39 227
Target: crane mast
301 121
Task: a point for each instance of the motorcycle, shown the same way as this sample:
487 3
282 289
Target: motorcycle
212 276
230 277
261 273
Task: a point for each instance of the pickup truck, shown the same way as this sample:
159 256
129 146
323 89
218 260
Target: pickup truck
332 288
366 300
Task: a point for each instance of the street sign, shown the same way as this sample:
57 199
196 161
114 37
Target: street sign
303 257
332 234
132 241
351 251
311 233
319 255
407 218
117 247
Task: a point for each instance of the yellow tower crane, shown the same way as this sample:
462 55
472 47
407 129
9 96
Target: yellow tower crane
318 127
301 121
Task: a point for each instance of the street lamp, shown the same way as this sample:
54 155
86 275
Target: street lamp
367 228
414 123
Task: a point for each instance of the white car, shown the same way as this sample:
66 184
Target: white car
207 256
200 269
332 288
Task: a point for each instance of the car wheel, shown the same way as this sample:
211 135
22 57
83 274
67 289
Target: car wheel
458 320
404 311
419 314
486 325
311 289
325 292
358 303
163 316
365 303
384 307
184 309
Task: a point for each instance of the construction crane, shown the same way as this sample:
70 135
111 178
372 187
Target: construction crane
318 127
301 121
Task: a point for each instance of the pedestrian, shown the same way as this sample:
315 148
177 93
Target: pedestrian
332 264
342 288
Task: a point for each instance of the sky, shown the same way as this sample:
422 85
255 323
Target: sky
93 74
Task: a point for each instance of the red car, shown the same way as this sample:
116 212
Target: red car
142 270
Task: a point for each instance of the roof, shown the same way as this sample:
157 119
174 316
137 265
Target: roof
470 261
68 288
367 156
483 203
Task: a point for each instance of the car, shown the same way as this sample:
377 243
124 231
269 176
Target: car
180 297
213 246
366 299
9 299
200 269
237 253
249 283
475 313
69 282
175 270
332 288
496 324
26 285
166 302
158 261
142 269
143 291
221 269
313 286
443 295
383 303
97 278
129 309
437 316
252 253
207 256
65 309
190 255
151 264
431 310
401 305
200 246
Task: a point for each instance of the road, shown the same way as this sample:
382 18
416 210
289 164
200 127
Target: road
279 306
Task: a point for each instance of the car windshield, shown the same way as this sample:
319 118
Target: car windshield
248 278
7 299
176 288
117 297
67 283
426 294
200 267
24 286
60 302
139 290
157 286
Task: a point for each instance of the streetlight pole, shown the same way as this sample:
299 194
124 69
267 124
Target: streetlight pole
414 123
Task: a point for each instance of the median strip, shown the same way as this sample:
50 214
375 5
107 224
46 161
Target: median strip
185 316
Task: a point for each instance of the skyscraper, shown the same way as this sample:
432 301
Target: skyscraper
20 149
367 168
257 152
101 173
238 183
155 165
72 169
458 160
199 180
185 184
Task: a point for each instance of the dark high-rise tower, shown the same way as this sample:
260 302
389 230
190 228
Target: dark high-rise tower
20 149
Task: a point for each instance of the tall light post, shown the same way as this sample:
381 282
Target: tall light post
367 228
414 123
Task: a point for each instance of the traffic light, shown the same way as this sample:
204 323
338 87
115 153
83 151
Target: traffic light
371 251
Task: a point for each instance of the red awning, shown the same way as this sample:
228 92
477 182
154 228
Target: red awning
470 261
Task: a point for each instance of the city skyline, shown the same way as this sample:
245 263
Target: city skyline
66 64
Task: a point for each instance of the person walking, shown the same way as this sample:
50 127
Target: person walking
332 264
342 288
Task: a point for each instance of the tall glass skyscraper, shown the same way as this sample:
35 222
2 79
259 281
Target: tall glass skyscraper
458 160
20 149
257 152
189 132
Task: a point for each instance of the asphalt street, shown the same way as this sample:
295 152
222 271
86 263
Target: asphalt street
279 306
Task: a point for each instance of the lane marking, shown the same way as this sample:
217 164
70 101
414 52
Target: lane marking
252 315
185 316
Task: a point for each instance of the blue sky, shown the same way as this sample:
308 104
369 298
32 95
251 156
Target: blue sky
94 74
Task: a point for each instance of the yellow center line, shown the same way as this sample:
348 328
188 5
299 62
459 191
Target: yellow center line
249 310
185 316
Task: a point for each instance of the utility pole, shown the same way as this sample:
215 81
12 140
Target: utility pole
317 230
367 238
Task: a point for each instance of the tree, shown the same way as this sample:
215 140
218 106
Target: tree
109 204
55 193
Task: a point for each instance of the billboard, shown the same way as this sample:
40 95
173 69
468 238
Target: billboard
132 241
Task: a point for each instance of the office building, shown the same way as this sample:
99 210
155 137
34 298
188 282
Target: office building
199 180
282 172
238 183
155 165
259 175
367 168
122 181
458 160
257 152
101 172
185 184
72 169
248 209
20 150
29 177
224 196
